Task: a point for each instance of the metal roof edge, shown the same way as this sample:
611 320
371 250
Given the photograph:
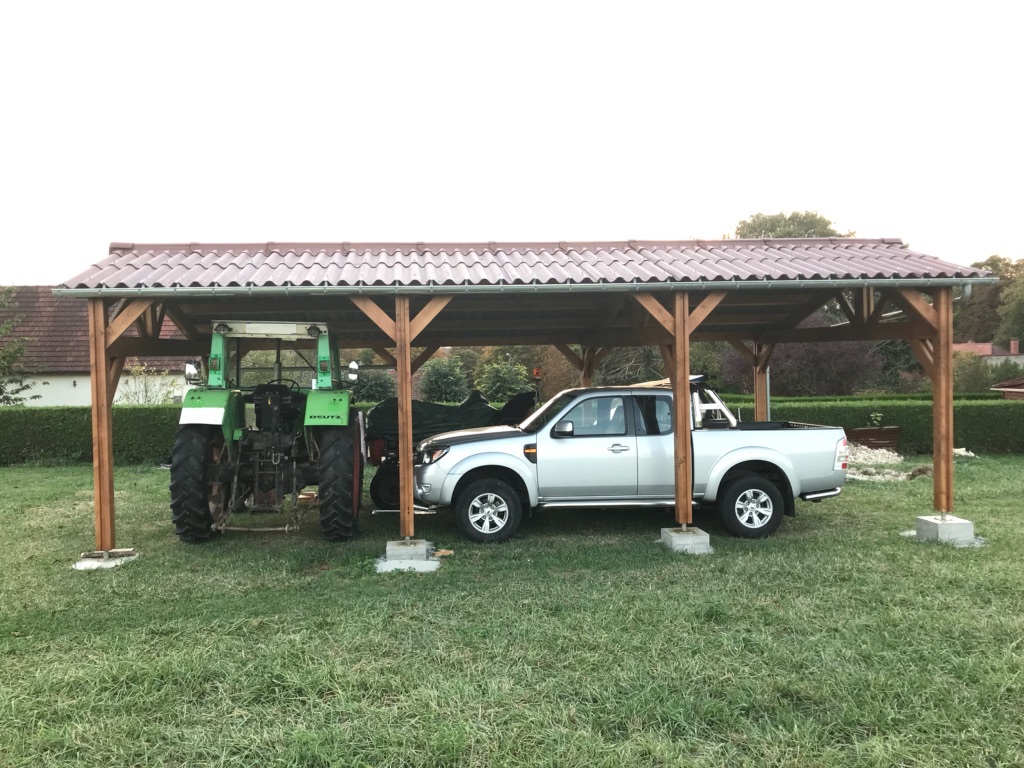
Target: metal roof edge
392 290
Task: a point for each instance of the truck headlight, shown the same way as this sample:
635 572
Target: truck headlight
431 455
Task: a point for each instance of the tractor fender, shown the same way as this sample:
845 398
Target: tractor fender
223 407
327 408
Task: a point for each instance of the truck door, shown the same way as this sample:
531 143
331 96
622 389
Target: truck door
598 459
655 446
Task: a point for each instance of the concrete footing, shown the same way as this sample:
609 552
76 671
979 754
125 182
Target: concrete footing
951 530
692 541
411 555
112 558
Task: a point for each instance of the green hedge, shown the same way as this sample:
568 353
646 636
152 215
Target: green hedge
142 434
981 426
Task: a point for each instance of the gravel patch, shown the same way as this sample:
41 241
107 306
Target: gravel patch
873 464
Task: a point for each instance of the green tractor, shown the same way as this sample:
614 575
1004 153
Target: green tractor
295 437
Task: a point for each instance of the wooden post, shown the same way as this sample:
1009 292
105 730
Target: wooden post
405 447
762 357
681 411
102 427
942 402
589 363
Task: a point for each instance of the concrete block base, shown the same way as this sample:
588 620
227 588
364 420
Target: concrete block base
952 530
692 541
414 555
90 561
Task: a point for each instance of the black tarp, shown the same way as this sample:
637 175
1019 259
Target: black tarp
432 418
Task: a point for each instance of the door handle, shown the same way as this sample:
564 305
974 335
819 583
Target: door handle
617 448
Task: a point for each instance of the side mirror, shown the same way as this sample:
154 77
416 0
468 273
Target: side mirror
564 429
353 371
192 373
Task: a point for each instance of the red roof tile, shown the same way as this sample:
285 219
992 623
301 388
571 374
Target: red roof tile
398 265
56 332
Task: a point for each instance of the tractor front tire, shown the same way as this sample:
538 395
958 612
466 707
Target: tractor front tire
340 481
194 498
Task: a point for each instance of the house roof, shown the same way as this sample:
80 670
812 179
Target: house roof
1011 384
361 267
56 333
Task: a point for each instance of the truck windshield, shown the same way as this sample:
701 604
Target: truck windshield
536 420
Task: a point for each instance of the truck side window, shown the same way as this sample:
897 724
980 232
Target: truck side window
598 416
653 414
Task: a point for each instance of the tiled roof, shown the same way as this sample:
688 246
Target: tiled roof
352 265
56 332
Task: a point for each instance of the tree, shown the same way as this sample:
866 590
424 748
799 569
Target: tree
502 380
978 317
970 373
806 224
442 380
12 349
1011 310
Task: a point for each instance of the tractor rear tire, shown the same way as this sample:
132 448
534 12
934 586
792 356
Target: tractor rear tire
340 480
194 499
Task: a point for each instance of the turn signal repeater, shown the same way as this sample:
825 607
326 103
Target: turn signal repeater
842 455
530 452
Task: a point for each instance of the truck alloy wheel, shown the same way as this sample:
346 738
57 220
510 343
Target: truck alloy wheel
488 510
751 506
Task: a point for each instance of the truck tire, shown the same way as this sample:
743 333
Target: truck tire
751 506
195 500
384 488
488 510
340 476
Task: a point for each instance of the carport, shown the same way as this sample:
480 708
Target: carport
394 297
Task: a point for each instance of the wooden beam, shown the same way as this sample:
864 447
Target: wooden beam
135 346
655 308
589 363
403 353
942 403
115 367
570 355
702 310
102 428
865 304
377 315
385 355
845 306
681 410
915 303
425 315
924 351
124 321
879 310
668 357
183 323
805 309
744 350
423 356
904 330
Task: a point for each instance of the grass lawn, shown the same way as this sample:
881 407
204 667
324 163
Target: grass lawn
581 642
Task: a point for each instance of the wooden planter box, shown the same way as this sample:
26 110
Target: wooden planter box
875 437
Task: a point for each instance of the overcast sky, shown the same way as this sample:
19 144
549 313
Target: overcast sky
251 122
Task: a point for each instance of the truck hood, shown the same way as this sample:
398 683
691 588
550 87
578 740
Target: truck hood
475 435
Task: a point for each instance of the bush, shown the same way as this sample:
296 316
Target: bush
503 380
443 380
374 385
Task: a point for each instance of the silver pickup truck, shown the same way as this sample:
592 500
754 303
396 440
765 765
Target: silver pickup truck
613 447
